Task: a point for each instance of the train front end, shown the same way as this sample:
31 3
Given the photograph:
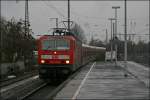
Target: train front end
55 56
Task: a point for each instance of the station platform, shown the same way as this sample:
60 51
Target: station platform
105 81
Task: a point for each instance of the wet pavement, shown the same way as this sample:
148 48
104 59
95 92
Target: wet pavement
105 81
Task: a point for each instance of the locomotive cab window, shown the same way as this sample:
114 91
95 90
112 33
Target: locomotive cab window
55 44
48 44
62 44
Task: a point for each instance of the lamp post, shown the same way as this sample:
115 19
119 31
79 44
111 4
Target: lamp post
1 41
111 19
115 35
116 7
27 17
69 16
125 37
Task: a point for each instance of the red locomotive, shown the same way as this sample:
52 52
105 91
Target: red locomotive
60 55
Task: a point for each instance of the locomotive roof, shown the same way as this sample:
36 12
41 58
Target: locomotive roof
57 36
94 47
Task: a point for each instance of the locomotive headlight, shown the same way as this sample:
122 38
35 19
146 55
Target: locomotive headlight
67 61
42 61
55 52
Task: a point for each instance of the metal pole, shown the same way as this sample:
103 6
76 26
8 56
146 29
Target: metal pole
111 40
106 36
116 7
56 22
115 35
111 48
113 26
69 16
26 18
125 37
116 49
1 34
149 40
114 53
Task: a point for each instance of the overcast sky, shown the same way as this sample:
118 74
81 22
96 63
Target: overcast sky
91 15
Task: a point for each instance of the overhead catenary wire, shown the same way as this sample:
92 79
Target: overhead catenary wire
53 7
72 12
80 17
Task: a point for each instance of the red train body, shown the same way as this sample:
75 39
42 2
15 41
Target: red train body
56 55
61 55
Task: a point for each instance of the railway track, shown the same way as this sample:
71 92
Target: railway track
39 90
34 89
20 88
47 91
7 82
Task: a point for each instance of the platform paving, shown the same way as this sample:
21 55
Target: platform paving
140 71
104 81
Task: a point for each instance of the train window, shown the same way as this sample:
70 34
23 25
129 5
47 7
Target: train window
48 44
62 44
55 45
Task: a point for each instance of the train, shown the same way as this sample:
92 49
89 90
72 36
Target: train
62 54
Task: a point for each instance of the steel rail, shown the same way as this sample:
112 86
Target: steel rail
32 92
55 91
7 82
